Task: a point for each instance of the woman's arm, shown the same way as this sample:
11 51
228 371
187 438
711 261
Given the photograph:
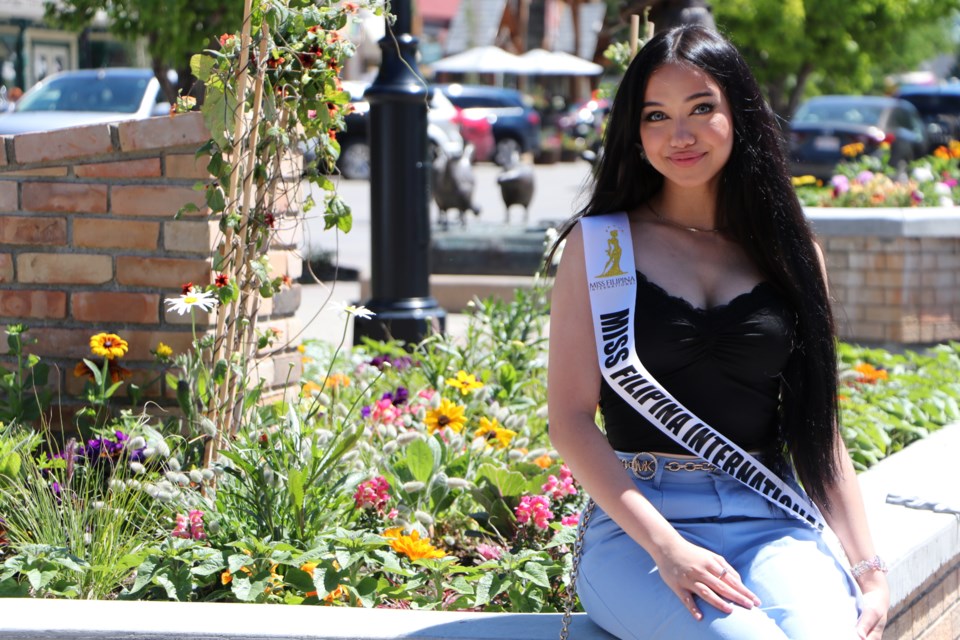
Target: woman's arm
848 519
573 389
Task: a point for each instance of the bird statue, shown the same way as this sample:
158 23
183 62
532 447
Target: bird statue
453 183
516 186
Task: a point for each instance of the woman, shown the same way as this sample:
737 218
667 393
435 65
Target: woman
733 319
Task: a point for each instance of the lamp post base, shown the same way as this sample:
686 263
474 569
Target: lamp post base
410 320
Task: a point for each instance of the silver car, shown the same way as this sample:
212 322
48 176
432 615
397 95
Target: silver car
86 96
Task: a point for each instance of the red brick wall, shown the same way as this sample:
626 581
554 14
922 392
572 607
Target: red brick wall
932 612
89 243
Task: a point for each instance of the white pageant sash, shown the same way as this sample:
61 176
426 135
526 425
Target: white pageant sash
611 276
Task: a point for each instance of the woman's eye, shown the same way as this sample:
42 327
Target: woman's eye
703 108
655 116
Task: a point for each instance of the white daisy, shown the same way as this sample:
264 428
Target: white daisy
204 300
355 310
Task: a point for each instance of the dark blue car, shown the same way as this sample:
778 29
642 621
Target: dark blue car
516 124
939 106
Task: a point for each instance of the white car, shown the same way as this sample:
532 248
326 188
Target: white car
86 96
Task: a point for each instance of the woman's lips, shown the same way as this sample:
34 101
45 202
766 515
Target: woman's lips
686 159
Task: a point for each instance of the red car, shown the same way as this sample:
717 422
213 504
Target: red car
476 129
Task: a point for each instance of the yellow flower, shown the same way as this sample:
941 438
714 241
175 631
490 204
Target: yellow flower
411 545
108 345
163 351
802 181
954 149
852 150
492 431
466 382
301 348
447 414
308 567
226 578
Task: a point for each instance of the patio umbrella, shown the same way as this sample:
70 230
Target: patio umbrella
480 60
555 63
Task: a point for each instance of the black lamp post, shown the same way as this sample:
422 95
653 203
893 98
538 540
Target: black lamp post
399 194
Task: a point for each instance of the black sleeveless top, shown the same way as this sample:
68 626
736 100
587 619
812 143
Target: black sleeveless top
723 364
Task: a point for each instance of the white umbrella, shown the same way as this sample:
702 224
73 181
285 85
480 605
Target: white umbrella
480 60
556 63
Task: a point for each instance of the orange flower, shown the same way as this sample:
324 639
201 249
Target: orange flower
942 153
336 380
310 388
108 345
544 461
870 374
411 545
954 149
336 594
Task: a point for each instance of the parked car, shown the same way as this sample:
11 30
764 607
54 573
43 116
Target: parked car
443 132
86 96
823 127
585 119
516 124
939 106
476 130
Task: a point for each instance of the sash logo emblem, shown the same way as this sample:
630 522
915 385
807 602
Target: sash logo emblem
612 266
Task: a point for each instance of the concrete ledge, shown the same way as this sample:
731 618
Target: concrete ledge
915 543
912 222
453 292
27 619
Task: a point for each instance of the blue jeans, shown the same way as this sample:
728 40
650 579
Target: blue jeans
806 593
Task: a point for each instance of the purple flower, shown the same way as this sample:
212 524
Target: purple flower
401 395
365 411
864 177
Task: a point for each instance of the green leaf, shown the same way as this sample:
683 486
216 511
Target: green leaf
508 483
201 66
420 460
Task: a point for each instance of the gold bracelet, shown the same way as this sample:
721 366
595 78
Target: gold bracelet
876 563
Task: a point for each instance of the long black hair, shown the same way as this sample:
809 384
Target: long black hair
757 205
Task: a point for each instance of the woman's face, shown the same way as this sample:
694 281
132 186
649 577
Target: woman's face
686 126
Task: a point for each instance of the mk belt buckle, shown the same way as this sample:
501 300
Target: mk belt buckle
643 465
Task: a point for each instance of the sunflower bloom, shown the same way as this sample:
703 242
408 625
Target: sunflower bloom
498 436
447 414
108 345
465 382
411 545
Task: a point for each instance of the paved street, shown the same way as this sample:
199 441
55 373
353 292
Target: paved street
556 191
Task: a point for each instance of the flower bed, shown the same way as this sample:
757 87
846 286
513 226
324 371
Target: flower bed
398 479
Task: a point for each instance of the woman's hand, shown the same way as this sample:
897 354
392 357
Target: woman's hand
876 603
691 571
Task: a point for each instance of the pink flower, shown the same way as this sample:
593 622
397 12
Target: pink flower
392 515
196 525
571 520
559 489
385 412
189 526
536 508
373 494
182 528
489 551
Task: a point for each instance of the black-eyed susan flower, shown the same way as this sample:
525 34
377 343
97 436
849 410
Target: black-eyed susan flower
108 345
496 435
448 414
465 382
